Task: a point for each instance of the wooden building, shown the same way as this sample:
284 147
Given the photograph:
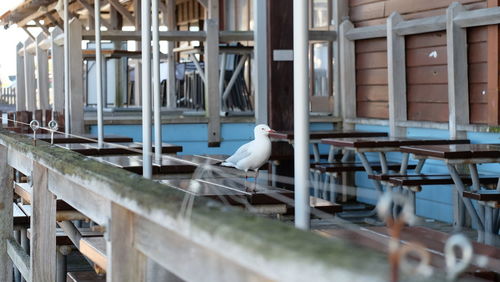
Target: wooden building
201 74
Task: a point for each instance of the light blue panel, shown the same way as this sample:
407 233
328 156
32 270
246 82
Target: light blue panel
133 131
374 128
427 133
436 193
484 138
317 126
435 210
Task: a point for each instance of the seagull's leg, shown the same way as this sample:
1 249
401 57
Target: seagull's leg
255 180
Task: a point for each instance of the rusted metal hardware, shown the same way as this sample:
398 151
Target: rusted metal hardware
53 127
35 125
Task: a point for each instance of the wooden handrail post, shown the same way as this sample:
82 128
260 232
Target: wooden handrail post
43 228
6 221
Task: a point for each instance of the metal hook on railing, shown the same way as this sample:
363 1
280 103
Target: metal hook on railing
395 222
53 126
455 266
35 125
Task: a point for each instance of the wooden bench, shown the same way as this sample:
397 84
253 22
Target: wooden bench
85 276
483 195
130 148
339 167
64 210
21 219
420 180
94 248
63 240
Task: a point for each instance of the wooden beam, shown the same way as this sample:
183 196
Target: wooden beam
6 220
157 241
479 17
424 25
29 75
368 32
204 3
347 72
493 61
42 58
43 228
340 11
171 25
76 76
45 30
212 96
57 58
124 260
20 80
123 11
91 12
458 86
54 20
90 204
396 72
20 259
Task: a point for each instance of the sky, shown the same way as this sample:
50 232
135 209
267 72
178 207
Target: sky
8 40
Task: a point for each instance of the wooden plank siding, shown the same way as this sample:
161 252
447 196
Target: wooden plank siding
371 78
426 63
427 77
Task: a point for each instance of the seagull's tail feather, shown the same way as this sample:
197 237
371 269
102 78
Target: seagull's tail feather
228 164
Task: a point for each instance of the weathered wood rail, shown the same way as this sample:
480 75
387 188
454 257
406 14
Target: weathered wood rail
144 220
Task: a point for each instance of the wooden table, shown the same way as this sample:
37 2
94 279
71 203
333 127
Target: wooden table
134 164
130 148
465 154
383 145
316 136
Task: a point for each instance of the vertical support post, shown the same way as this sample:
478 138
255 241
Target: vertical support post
146 87
493 60
458 87
6 221
340 10
301 112
171 25
29 75
42 59
397 76
138 64
20 80
58 73
98 65
125 262
347 73
67 124
156 80
213 99
76 74
43 228
260 60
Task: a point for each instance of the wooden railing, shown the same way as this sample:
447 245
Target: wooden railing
8 96
147 221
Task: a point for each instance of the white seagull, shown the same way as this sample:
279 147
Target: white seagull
252 155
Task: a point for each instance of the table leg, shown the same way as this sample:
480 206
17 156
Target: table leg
346 156
489 223
383 162
420 165
404 163
459 185
369 171
331 154
476 186
317 157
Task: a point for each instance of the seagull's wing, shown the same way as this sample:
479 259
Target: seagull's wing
240 154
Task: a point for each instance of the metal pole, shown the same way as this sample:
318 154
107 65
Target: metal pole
67 129
98 71
146 87
156 81
301 112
